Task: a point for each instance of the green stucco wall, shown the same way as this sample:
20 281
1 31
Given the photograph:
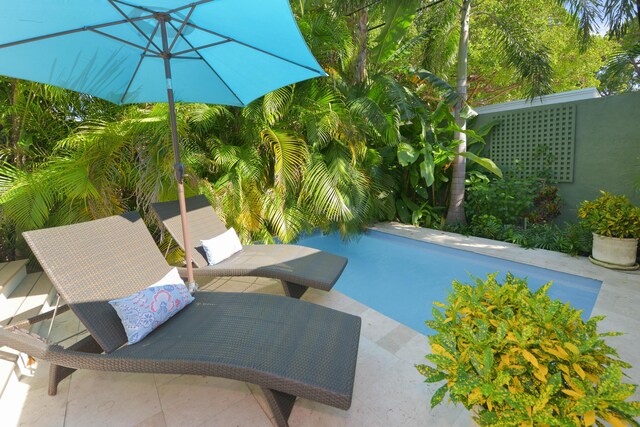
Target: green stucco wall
607 150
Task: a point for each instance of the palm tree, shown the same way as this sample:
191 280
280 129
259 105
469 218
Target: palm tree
517 46
455 213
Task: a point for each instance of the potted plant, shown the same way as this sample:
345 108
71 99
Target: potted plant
615 224
517 358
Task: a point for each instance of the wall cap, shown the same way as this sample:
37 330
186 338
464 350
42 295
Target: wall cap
555 98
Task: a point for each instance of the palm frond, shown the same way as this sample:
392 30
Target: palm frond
407 48
27 198
205 118
587 14
448 92
328 37
439 52
625 60
284 219
290 154
525 54
321 191
619 14
381 122
397 17
275 104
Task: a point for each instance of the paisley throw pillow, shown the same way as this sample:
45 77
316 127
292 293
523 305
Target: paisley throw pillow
144 311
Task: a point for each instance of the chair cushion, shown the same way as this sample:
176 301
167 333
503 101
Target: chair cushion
149 308
221 247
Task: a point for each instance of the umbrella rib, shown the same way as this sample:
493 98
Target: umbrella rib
135 72
210 67
145 9
75 30
119 39
194 4
186 19
188 57
134 6
174 57
200 47
131 21
254 48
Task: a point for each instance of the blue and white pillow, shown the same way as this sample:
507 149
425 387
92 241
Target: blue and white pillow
149 308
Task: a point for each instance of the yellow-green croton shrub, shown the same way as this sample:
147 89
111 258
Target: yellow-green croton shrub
524 359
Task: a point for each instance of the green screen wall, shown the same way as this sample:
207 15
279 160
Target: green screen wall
604 146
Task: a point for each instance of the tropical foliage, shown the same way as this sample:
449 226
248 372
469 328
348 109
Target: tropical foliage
525 359
611 216
571 238
515 200
622 71
622 18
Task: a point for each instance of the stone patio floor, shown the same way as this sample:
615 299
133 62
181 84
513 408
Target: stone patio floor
388 390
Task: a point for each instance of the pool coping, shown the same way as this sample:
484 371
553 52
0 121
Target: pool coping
577 265
618 299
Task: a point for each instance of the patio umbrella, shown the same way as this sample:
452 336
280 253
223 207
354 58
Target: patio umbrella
212 51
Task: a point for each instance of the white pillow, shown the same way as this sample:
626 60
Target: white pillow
221 247
171 278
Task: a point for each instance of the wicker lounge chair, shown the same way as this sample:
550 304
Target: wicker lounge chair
288 347
298 267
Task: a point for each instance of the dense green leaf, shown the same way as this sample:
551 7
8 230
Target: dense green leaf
407 154
398 16
427 168
486 163
448 92
488 362
432 375
438 395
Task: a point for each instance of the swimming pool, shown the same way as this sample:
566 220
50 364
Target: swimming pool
402 277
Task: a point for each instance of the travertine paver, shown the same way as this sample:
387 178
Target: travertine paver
388 390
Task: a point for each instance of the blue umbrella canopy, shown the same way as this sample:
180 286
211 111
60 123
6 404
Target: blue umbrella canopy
222 51
212 51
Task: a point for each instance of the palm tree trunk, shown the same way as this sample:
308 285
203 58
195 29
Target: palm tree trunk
455 214
361 62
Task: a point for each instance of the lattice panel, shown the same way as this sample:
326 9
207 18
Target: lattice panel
523 135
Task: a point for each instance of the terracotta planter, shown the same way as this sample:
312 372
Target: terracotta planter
614 252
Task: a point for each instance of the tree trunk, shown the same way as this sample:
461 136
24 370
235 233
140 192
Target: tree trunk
361 62
16 124
455 214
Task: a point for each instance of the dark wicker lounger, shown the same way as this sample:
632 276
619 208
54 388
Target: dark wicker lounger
298 267
288 347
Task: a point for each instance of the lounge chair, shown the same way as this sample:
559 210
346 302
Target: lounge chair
289 348
298 267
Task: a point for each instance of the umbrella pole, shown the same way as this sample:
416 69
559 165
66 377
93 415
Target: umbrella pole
179 167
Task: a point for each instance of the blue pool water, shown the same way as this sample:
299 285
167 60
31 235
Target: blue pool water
402 277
